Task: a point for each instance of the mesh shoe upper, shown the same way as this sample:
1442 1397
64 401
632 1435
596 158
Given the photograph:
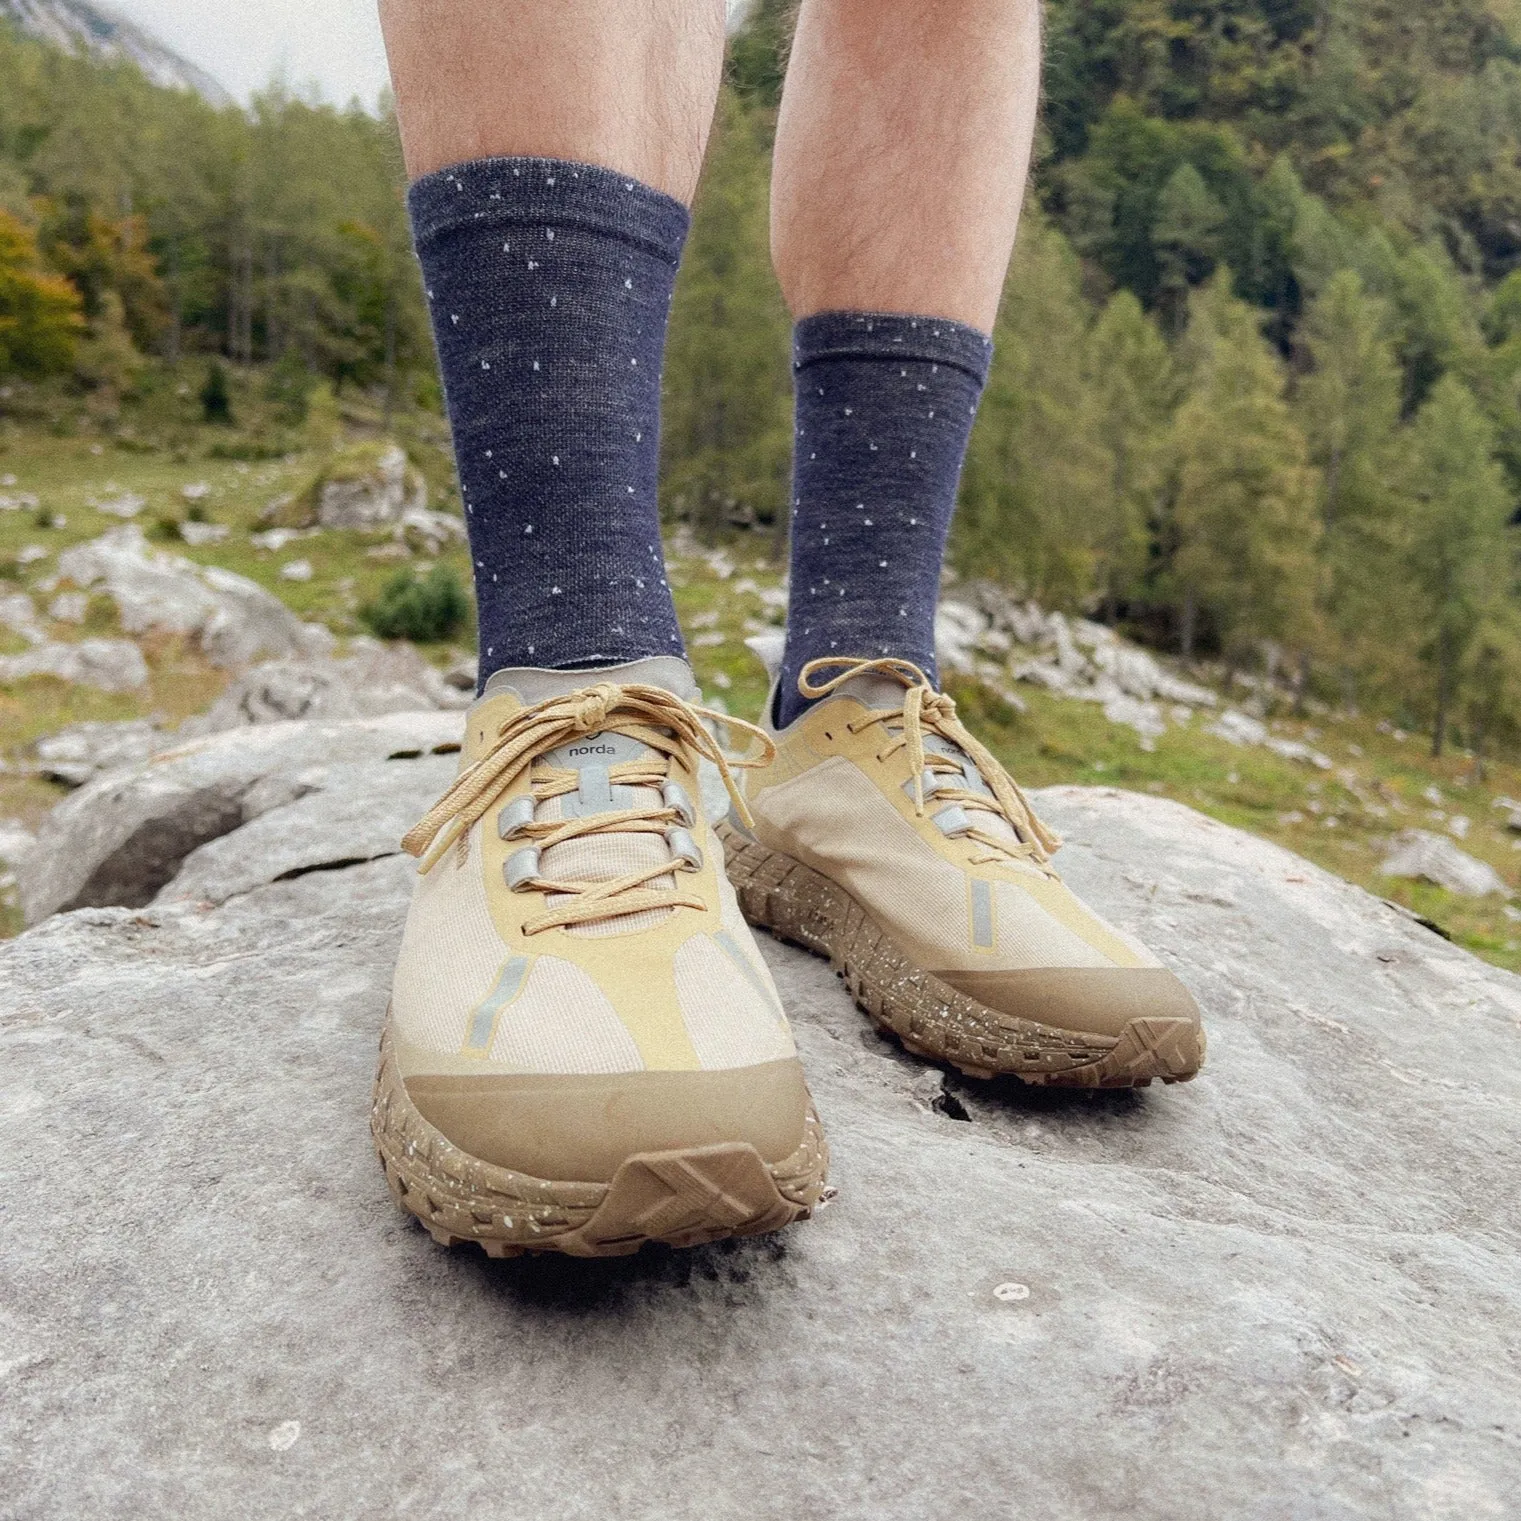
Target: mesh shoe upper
571 915
880 788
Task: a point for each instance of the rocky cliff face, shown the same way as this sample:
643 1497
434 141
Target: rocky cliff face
79 27
1285 1290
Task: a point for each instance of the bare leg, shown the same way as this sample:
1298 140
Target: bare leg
626 84
901 155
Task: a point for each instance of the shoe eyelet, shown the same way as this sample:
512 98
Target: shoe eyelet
521 867
674 796
684 848
515 817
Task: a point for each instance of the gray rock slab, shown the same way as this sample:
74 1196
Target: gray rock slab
82 751
122 837
1287 1290
349 814
372 679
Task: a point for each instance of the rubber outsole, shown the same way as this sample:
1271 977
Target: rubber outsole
931 1018
681 1198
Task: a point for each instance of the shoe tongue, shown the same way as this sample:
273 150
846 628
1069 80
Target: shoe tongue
875 690
532 684
597 752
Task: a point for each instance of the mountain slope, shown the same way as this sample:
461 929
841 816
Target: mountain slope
79 27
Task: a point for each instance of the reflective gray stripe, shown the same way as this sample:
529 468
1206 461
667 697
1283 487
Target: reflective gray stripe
596 790
730 946
508 986
982 914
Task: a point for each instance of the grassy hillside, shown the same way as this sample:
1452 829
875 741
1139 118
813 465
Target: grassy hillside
1380 783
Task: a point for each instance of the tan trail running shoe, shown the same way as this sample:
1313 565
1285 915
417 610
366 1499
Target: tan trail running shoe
886 838
584 1049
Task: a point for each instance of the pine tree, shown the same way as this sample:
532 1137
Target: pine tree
726 434
1459 553
1348 407
1243 511
1129 372
1036 461
1186 235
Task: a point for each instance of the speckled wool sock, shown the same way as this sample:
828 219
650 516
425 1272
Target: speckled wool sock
885 405
549 285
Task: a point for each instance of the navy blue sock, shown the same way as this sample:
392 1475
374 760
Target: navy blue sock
885 405
549 285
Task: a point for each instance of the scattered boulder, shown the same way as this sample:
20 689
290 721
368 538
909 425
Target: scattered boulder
463 673
1145 718
1510 811
275 539
1288 1281
69 607
1238 728
234 619
195 534
982 631
1434 858
18 613
112 665
428 532
959 630
82 751
372 679
1297 750
361 486
16 841
118 504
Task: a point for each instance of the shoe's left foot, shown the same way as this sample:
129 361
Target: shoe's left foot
584 1049
888 839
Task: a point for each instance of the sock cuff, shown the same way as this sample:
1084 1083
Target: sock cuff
488 193
891 335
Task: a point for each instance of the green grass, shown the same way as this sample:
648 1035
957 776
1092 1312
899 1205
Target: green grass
1339 819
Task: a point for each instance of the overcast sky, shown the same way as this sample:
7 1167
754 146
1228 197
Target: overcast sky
332 43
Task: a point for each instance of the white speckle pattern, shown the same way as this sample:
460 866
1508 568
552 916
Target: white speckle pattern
587 311
878 575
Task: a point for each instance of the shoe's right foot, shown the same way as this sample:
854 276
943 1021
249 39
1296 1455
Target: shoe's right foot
585 1050
886 838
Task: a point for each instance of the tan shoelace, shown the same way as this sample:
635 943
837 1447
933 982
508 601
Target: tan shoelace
657 719
926 709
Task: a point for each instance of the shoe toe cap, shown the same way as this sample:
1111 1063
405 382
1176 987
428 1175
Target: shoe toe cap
1090 1000
581 1127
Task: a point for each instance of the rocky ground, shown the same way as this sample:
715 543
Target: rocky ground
1286 1289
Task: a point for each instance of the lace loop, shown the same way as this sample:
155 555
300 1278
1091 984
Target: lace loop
926 709
657 718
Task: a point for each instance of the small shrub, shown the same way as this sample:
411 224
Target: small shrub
216 396
423 609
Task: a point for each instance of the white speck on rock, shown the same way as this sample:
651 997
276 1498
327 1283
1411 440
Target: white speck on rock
284 1436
